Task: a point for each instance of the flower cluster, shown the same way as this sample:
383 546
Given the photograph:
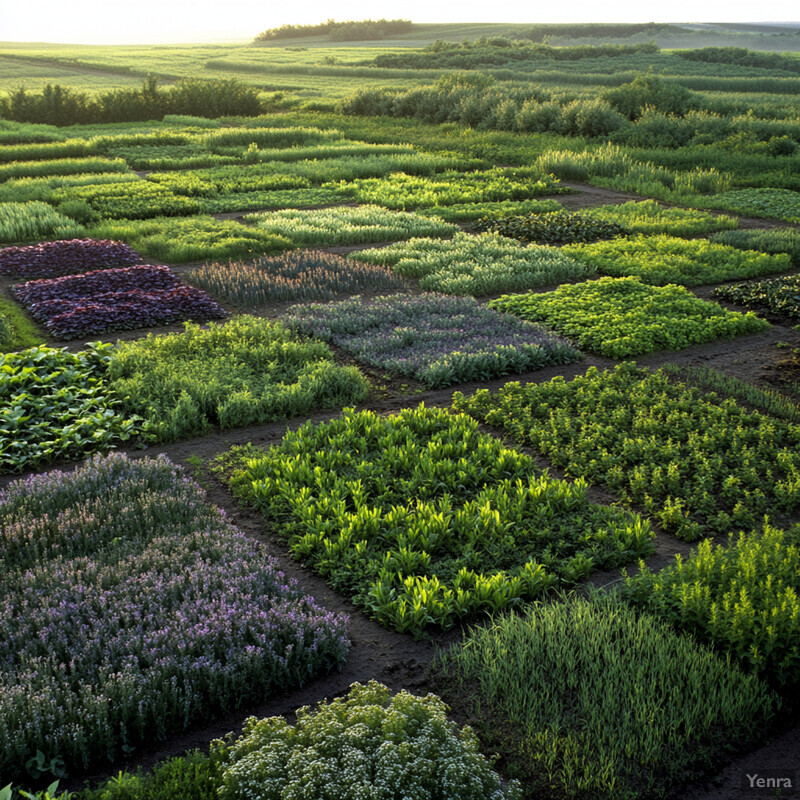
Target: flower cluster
136 609
66 257
367 745
114 299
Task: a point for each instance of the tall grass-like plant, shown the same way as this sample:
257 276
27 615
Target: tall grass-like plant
476 265
587 698
300 275
648 217
26 222
774 240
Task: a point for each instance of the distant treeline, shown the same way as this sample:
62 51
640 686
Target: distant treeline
742 57
499 51
350 31
59 105
538 33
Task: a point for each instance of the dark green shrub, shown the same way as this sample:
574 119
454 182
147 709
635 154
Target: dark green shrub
555 228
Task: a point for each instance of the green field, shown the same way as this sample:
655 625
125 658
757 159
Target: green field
431 253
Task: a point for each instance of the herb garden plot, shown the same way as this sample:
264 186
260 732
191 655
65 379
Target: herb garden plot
436 339
555 228
648 217
476 265
114 299
578 695
469 212
299 275
622 317
137 200
243 372
57 405
424 520
742 597
401 191
779 296
348 225
696 463
659 260
766 240
66 257
132 609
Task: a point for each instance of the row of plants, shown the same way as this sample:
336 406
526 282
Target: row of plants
623 317
123 298
30 222
424 520
347 225
23 190
775 240
132 608
436 339
242 372
660 260
741 596
66 257
298 275
760 202
780 296
696 463
56 405
555 228
200 237
606 222
476 265
61 166
402 191
469 212
587 698
269 199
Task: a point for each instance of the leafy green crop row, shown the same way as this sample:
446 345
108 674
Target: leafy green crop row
57 405
741 597
696 463
180 239
424 520
468 212
648 217
660 260
622 317
347 225
476 265
555 228
410 191
779 296
235 374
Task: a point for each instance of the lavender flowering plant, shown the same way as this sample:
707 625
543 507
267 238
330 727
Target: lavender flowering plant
130 609
437 339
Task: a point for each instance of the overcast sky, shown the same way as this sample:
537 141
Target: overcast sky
145 21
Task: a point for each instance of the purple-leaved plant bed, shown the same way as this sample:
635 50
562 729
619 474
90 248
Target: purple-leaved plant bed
66 257
437 339
130 609
113 300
